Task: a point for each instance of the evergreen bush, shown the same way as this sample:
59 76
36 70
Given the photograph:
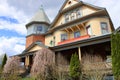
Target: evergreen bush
75 70
115 51
4 61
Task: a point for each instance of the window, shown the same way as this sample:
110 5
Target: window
104 28
72 16
76 34
66 18
39 29
63 37
89 30
78 14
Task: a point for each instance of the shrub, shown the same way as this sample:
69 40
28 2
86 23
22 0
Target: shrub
75 70
93 66
115 46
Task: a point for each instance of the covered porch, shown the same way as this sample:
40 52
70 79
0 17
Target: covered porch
95 50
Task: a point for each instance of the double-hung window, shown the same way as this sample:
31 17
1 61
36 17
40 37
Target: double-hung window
63 37
104 28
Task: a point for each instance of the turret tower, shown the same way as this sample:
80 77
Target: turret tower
37 27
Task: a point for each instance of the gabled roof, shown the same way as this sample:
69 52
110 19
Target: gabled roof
99 13
40 16
31 46
80 3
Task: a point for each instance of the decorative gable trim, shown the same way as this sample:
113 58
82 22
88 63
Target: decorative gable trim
80 3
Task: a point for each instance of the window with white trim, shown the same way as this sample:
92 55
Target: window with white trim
72 16
66 17
63 37
77 34
104 28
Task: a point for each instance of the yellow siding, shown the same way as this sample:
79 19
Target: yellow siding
84 11
35 48
60 21
87 11
48 38
57 35
96 26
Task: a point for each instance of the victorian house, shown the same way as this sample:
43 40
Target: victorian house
79 27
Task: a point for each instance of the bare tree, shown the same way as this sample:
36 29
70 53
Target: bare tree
93 67
12 65
11 69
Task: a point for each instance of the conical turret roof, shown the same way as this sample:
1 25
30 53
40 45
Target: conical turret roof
40 16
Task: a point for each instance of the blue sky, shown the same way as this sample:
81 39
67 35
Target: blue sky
14 14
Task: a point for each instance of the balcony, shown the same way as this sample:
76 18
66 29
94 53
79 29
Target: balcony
74 39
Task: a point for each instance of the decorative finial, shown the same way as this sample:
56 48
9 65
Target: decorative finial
41 7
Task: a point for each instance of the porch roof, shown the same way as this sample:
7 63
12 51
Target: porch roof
25 52
90 41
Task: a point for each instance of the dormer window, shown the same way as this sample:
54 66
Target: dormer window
66 18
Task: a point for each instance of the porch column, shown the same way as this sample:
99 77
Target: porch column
79 52
26 60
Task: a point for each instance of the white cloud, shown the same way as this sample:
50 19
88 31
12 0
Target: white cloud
11 11
19 28
12 45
